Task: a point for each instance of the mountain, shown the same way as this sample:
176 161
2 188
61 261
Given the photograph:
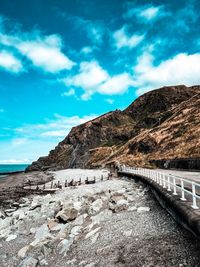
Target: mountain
163 124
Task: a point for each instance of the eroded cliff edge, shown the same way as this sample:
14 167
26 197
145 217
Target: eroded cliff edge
162 124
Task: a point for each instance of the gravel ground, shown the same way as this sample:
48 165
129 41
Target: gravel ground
120 236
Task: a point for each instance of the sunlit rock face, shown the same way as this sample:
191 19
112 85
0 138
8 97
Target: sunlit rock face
161 124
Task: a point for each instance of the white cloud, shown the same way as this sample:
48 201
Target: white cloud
92 78
117 84
69 93
109 101
181 69
46 54
87 50
122 39
43 51
9 62
145 13
90 75
149 12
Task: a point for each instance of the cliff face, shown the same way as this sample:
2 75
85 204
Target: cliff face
161 124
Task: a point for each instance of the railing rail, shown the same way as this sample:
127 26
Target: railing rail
172 183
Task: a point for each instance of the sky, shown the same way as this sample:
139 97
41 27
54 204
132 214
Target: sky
63 63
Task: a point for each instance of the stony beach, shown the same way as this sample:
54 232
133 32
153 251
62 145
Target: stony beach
114 222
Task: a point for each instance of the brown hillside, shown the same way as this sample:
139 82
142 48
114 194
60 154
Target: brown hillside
161 124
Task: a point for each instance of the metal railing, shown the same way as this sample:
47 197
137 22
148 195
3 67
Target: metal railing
177 185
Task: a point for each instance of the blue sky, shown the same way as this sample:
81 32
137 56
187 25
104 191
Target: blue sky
65 62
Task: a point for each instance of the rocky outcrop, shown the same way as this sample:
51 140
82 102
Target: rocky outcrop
161 124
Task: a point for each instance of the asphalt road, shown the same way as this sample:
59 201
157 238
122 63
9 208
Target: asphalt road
193 176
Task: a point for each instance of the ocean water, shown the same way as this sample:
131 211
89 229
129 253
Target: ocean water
12 167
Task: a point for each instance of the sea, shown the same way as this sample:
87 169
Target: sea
11 168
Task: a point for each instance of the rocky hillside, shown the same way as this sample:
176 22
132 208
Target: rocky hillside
161 124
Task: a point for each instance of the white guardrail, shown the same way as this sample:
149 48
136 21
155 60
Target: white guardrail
175 184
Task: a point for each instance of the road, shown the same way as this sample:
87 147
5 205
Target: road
193 176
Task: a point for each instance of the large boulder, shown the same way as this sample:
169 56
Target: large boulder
67 215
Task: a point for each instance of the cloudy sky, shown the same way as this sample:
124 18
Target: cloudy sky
64 62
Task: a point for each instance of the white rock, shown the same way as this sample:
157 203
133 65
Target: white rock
22 252
96 206
122 204
143 209
42 232
29 262
94 238
132 208
19 215
80 219
101 217
90 265
64 245
43 262
128 233
5 223
32 230
91 233
76 230
11 237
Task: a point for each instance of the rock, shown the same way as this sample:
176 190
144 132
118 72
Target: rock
22 252
116 197
52 224
15 204
32 230
24 200
2 215
121 205
101 217
76 230
42 232
29 262
127 233
67 215
64 245
90 265
131 198
19 215
34 205
91 233
143 209
94 238
80 219
132 208
96 206
11 237
5 223
43 262
46 247
9 211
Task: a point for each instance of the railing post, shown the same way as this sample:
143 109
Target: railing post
160 178
157 177
168 183
194 200
164 180
174 183
182 191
